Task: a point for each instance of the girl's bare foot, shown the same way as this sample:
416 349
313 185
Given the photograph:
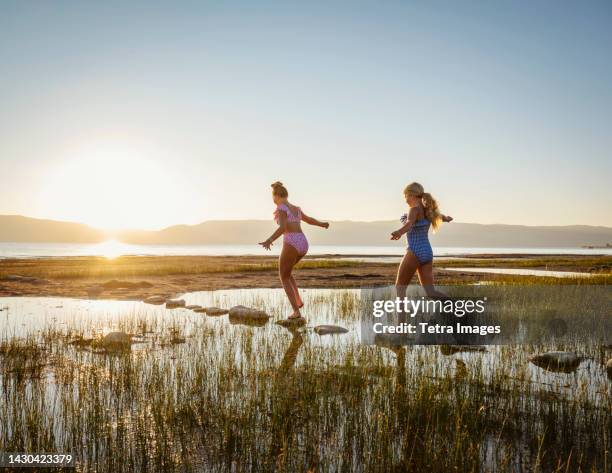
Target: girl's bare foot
295 315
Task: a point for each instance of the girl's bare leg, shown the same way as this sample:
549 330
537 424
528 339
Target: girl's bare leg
297 292
287 260
295 287
406 270
426 279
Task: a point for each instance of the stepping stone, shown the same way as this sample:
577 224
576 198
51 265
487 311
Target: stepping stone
292 323
329 329
175 303
201 310
193 307
155 300
560 361
215 311
247 312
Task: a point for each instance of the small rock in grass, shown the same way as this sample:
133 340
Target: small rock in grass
561 361
329 329
116 341
95 291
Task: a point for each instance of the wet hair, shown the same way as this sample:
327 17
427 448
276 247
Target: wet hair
279 190
432 211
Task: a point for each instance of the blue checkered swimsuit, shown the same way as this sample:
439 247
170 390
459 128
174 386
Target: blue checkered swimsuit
418 240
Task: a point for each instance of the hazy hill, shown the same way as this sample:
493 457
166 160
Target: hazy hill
33 230
24 229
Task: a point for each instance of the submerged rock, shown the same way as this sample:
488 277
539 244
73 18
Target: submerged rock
156 300
391 340
247 312
116 341
175 303
81 342
329 329
448 350
559 361
250 322
215 311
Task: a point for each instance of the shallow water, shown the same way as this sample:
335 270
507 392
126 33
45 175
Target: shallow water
27 317
523 272
231 362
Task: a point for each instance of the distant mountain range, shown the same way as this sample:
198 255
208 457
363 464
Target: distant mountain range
15 228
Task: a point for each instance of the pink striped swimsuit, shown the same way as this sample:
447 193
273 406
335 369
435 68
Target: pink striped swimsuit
296 239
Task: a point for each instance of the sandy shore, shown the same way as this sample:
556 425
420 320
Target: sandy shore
136 278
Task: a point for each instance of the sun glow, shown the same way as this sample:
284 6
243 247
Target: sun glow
112 186
112 249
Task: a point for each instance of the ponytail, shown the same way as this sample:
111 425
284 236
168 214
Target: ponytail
432 212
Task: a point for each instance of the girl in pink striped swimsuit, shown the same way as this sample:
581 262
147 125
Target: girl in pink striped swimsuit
295 244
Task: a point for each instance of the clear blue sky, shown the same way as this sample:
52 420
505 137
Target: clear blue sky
146 114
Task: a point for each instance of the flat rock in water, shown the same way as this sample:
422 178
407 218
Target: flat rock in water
201 310
156 300
329 329
215 311
247 312
291 323
562 361
193 307
174 303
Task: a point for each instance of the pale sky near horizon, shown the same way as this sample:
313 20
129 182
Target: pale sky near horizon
148 114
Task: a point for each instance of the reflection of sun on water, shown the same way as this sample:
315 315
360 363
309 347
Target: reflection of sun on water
111 249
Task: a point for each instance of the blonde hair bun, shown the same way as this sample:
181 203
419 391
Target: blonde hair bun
279 189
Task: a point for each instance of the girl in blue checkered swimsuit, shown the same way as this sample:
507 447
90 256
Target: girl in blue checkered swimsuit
423 214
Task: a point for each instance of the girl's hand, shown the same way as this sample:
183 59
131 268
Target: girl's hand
266 244
447 219
396 235
325 225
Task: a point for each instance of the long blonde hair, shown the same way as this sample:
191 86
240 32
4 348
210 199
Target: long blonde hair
432 211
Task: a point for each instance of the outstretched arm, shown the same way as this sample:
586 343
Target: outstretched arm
412 216
314 221
282 223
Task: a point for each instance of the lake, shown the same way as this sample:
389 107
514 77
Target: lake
113 249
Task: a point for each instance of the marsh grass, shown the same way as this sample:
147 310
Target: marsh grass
134 266
237 398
